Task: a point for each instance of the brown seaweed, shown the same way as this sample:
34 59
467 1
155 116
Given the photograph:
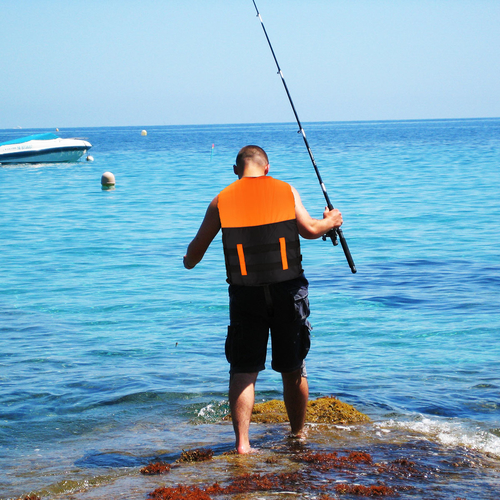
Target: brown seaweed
155 468
324 461
326 410
196 455
243 484
260 482
316 461
379 490
403 468
179 493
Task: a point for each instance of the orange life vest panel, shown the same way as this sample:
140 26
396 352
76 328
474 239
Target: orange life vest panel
259 231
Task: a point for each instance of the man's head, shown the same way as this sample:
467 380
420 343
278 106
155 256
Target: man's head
251 161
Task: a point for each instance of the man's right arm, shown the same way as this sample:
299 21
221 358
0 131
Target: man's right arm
207 232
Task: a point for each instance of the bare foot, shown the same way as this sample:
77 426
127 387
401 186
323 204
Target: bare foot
246 450
299 436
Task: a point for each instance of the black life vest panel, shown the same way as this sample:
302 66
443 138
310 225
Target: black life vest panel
259 231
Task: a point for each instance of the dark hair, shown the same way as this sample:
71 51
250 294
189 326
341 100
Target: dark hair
253 153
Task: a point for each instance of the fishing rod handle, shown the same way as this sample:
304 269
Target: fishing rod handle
333 236
347 252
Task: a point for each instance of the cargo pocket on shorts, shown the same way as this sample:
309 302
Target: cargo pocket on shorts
229 347
305 339
301 304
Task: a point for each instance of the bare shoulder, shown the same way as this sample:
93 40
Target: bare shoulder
212 215
296 195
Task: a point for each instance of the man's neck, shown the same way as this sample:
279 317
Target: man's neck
253 172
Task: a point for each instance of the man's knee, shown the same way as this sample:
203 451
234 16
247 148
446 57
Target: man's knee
293 378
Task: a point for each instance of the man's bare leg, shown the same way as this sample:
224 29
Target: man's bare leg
241 400
295 394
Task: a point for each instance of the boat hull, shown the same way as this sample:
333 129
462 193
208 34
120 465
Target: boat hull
54 150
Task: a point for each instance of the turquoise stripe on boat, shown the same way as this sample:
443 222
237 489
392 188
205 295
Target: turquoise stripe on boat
36 137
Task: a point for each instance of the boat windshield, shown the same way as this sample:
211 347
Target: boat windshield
36 137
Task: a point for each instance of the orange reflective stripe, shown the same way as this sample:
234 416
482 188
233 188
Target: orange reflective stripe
284 260
241 256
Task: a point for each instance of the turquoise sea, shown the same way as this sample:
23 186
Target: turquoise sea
112 354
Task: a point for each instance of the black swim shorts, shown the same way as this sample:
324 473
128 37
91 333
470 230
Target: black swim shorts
281 308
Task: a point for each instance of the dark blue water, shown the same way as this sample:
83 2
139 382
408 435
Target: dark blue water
111 352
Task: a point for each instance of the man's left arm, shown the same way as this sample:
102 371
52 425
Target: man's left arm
207 232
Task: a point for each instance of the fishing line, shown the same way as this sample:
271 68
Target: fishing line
334 232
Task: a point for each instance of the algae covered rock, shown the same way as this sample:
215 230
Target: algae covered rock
326 410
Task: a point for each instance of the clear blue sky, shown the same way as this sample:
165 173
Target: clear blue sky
84 63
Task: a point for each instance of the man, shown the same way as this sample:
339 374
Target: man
261 220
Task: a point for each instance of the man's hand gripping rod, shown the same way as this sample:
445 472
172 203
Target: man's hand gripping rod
334 232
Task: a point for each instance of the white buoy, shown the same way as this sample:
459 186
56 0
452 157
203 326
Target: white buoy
108 180
90 158
144 132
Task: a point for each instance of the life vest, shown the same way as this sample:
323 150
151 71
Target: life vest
259 231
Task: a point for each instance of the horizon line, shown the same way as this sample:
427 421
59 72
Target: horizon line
254 123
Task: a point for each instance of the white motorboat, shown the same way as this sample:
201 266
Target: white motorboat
43 148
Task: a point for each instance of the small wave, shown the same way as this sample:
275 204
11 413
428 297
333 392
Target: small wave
213 412
449 433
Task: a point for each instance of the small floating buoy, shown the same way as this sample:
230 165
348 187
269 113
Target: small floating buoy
144 132
108 180
90 158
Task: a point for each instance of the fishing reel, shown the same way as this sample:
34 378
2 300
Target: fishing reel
332 234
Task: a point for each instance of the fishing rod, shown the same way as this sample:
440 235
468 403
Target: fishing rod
332 234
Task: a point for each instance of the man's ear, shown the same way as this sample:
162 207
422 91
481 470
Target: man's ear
266 171
235 170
